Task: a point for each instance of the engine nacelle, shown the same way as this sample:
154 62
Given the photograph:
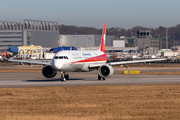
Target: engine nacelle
49 71
105 70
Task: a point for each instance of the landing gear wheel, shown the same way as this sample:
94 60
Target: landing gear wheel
63 79
100 78
64 76
67 77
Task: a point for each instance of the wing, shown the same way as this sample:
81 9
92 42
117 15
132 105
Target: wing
29 61
125 62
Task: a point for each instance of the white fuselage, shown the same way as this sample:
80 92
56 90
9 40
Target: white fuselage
76 61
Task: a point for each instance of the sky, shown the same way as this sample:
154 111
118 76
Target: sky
93 13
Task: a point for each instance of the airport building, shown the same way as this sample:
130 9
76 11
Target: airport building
10 34
79 41
145 40
44 33
31 32
123 44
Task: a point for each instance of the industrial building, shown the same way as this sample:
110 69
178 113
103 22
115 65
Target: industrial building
44 33
10 34
79 41
31 32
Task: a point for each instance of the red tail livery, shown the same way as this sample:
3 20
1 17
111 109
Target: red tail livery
103 39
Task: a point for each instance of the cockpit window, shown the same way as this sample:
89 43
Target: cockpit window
65 57
60 57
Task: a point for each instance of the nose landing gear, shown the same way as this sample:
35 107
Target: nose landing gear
64 76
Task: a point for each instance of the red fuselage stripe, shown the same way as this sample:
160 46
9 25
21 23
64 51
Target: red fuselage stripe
94 59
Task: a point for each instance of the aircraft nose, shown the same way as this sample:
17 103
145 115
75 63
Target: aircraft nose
57 64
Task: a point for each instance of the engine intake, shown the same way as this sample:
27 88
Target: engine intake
49 71
105 71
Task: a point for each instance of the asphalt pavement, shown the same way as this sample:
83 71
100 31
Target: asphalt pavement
36 79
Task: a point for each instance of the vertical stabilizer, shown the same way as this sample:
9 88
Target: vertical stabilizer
5 53
103 39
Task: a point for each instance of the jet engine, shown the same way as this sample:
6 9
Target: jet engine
105 70
49 71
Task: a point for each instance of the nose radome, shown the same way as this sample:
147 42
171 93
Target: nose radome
56 64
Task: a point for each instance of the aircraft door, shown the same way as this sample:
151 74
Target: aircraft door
71 57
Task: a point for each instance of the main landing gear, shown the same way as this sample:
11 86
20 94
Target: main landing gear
99 77
64 77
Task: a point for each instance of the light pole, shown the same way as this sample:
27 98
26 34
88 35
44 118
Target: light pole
149 43
174 40
160 41
167 38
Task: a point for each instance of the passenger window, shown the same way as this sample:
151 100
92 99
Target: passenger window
56 57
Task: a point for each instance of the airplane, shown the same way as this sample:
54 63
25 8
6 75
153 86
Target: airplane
82 61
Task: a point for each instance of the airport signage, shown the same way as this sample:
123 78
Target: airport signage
131 72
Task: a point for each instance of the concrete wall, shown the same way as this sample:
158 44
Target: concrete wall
143 42
77 40
109 40
9 38
83 40
42 38
118 43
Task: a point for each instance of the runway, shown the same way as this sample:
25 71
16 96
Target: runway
36 79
